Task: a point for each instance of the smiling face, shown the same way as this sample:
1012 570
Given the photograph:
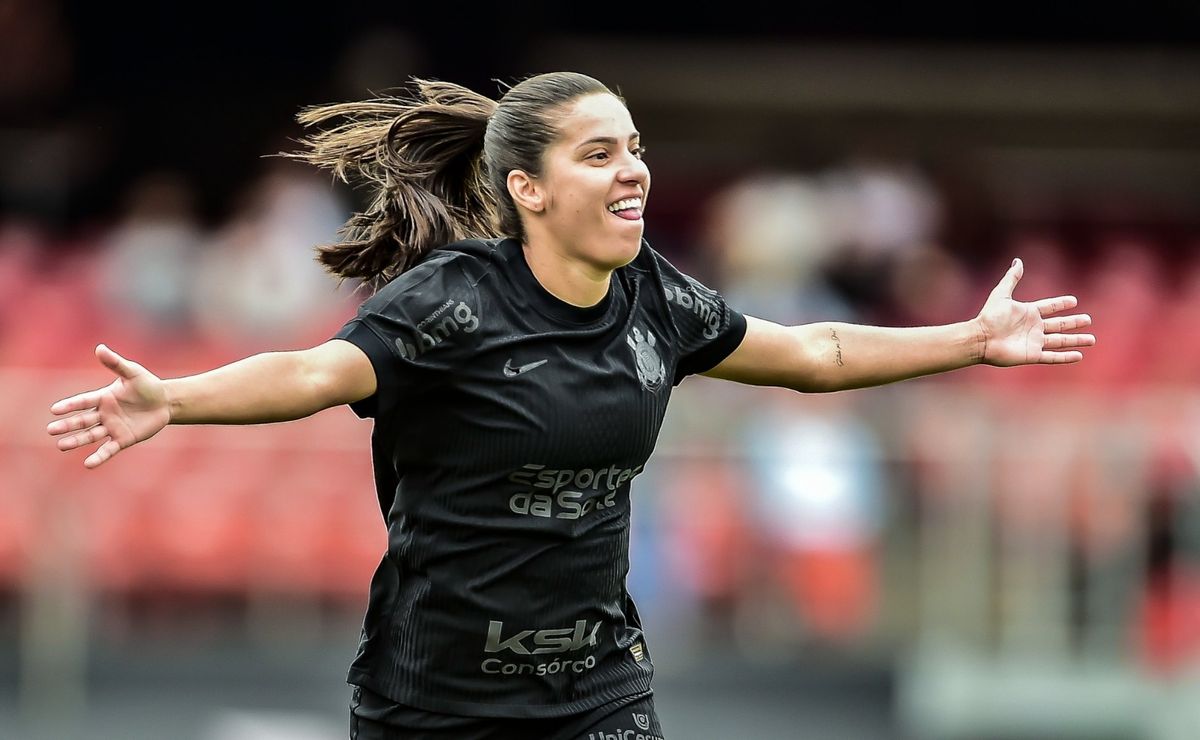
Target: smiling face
589 199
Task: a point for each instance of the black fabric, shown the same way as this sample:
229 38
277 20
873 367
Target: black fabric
375 717
508 426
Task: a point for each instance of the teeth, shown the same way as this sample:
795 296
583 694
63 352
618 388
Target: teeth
621 205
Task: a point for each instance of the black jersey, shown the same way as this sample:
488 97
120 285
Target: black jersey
508 426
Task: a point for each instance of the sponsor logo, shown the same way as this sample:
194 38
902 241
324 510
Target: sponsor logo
540 642
704 309
567 493
650 368
561 640
566 505
497 667
638 652
438 327
642 720
512 372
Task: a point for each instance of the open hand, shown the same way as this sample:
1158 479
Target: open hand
131 409
1016 333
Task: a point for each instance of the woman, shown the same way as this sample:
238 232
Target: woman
517 386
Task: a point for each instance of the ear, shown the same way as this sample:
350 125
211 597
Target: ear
526 191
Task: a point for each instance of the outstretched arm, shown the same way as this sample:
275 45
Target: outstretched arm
273 386
834 356
269 387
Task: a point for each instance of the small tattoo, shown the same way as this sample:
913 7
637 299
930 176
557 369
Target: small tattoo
837 342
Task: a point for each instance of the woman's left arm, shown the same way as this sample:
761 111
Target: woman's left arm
835 356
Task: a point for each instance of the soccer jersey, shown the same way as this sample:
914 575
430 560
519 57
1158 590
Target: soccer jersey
508 427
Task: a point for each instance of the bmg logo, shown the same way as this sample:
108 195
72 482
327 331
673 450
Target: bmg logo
460 319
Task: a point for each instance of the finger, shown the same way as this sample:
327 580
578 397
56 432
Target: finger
89 400
1048 306
1067 323
86 437
80 421
1008 283
116 363
106 452
1064 341
1060 358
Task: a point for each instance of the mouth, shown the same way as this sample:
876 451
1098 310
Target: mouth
629 209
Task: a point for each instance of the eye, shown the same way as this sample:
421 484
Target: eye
604 156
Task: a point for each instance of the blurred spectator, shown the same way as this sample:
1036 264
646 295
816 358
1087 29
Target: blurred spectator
1168 619
882 208
879 209
151 255
772 238
708 538
259 278
818 491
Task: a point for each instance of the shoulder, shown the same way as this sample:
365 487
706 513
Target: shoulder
433 305
468 259
467 254
449 272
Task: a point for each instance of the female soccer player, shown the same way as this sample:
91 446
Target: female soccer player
517 357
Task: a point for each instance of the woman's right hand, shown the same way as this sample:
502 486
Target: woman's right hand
132 409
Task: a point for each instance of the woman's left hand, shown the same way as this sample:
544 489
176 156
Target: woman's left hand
1016 333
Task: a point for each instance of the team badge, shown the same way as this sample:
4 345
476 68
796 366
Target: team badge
650 368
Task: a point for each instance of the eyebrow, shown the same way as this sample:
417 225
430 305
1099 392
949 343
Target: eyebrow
607 140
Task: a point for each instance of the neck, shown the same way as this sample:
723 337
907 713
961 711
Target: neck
568 279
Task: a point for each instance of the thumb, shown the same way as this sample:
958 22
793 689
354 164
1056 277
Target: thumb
1008 283
115 362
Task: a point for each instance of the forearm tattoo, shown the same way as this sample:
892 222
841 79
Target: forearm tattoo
837 343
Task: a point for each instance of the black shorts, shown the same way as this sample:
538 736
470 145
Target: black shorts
375 717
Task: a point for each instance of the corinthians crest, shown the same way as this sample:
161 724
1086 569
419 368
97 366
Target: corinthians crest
650 368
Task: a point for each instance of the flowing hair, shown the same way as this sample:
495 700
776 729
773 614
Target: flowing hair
436 165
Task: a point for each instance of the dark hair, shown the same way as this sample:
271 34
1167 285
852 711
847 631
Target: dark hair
438 165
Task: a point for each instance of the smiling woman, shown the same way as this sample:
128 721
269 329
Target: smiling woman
584 211
452 163
517 357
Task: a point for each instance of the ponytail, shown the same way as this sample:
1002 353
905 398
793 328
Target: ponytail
423 159
438 165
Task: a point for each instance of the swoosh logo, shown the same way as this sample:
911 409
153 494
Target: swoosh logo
513 372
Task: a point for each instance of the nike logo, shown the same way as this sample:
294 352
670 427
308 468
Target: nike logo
513 372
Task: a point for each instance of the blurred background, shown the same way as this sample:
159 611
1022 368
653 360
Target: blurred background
990 554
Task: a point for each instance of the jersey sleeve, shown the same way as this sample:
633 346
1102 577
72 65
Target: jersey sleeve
708 329
415 330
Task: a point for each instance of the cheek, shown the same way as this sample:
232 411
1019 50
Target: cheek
579 196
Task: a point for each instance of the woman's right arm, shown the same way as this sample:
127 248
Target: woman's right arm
268 387
273 386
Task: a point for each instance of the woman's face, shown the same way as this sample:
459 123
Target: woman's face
595 183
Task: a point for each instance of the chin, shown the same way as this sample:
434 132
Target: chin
620 252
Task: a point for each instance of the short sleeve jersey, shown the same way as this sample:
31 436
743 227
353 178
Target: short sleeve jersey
508 427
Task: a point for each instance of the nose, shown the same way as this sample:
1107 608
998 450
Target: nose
634 170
